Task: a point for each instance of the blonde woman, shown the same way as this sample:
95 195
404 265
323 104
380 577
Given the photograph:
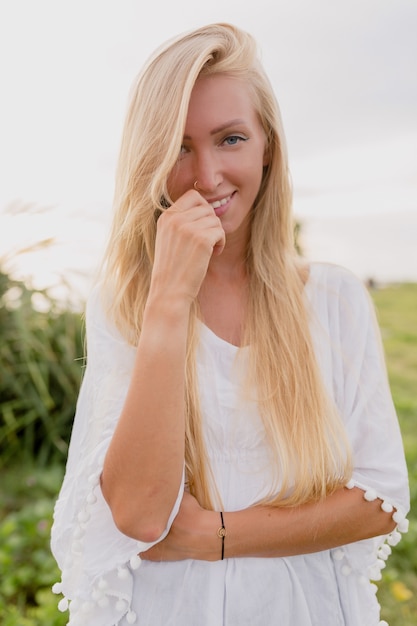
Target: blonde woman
235 457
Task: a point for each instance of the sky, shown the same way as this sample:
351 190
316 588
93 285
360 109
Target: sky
345 75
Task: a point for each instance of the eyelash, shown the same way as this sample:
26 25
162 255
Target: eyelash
184 149
239 137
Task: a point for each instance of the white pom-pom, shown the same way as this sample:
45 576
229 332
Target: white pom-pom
94 479
135 562
380 563
383 623
103 602
398 517
91 498
346 570
96 594
76 547
386 549
404 525
78 532
83 516
338 555
131 617
63 605
86 607
363 580
69 562
387 507
381 554
122 573
121 606
370 495
375 573
57 588
394 538
102 584
350 484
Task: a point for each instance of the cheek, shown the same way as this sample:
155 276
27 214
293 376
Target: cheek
180 179
254 169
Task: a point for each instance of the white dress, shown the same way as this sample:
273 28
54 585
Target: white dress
107 585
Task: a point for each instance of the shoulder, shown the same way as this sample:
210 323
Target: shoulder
333 276
95 307
339 292
335 281
97 316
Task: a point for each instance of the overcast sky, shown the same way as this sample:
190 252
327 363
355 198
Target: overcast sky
345 74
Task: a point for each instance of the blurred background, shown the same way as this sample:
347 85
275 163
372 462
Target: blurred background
345 74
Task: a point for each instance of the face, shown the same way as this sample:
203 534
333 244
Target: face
223 150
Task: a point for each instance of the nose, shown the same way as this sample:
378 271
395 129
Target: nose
208 171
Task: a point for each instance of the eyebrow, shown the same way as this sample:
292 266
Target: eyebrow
222 127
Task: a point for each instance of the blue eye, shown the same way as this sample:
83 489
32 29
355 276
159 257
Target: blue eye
233 140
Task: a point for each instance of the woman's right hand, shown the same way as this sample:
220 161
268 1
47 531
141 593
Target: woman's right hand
145 459
188 234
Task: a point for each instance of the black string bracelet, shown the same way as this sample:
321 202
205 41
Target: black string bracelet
222 533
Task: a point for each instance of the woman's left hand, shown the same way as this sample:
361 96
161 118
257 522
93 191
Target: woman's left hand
193 535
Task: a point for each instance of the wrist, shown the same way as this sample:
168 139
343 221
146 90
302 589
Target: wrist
221 533
207 542
166 306
170 292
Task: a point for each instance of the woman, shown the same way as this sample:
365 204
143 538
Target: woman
235 457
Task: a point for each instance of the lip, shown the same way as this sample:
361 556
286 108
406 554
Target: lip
223 207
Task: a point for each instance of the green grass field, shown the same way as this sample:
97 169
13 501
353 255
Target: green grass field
397 315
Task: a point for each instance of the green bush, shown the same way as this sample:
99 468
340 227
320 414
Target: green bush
27 566
41 366
41 360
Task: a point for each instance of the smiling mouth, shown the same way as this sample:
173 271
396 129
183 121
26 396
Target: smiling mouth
219 203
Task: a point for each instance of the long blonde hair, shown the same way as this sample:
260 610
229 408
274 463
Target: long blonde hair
304 429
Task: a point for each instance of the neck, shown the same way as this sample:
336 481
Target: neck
223 294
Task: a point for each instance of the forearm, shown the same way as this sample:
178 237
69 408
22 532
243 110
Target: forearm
143 467
144 464
271 531
341 518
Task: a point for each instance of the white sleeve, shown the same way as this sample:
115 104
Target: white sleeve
366 402
349 348
94 556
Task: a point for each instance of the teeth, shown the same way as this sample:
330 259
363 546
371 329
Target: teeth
219 203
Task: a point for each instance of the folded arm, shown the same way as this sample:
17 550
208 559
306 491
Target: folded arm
271 531
144 464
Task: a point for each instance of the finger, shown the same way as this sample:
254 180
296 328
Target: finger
219 247
198 221
221 241
188 200
214 232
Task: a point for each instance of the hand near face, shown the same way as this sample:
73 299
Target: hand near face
188 234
